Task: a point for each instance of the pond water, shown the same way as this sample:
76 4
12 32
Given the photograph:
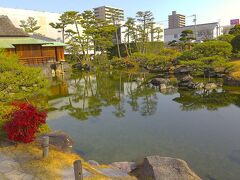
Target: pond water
116 116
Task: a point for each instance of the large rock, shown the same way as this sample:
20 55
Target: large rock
93 163
186 78
158 81
189 85
163 87
126 167
187 82
210 86
165 168
60 140
199 85
155 70
183 70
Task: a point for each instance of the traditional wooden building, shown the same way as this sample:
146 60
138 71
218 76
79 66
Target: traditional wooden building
29 49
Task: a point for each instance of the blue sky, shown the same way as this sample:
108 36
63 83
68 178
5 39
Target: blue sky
206 10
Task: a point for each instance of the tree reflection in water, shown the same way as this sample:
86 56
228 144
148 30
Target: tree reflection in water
89 93
212 101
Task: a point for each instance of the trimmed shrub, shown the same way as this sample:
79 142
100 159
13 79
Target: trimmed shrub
208 49
123 63
236 44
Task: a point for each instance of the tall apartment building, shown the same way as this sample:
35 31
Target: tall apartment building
105 13
176 20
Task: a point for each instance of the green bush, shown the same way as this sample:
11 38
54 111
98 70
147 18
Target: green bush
18 83
235 30
163 59
151 47
226 37
208 64
101 59
236 44
142 59
120 63
208 49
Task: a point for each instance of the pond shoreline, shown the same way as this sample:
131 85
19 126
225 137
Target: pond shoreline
110 114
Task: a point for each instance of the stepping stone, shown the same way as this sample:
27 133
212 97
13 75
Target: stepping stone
8 166
68 174
113 172
2 177
28 177
16 175
4 157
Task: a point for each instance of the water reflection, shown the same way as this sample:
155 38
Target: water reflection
212 101
86 94
122 117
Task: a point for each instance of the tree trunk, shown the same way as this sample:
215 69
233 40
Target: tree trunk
94 47
126 47
118 48
63 34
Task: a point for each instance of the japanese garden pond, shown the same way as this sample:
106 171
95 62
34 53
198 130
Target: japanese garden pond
117 116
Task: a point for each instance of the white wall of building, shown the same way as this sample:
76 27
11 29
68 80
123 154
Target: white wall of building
43 18
203 31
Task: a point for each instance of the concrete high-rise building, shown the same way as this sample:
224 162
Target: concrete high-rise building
176 20
105 13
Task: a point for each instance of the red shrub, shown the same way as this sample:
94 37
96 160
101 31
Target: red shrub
24 122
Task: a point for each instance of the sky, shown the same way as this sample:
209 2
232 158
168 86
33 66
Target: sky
206 10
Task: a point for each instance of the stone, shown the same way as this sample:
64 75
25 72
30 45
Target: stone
186 78
68 174
162 87
158 81
28 177
59 139
8 165
199 85
4 157
109 172
183 70
155 70
126 167
210 86
3 177
15 174
187 82
166 168
184 84
93 163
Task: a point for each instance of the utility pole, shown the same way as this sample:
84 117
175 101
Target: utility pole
219 28
195 25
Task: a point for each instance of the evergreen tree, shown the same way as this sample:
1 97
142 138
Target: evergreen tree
30 26
145 18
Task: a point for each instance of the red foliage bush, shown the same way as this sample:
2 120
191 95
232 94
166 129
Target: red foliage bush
24 123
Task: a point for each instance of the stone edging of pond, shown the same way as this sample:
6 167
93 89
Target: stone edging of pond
153 167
